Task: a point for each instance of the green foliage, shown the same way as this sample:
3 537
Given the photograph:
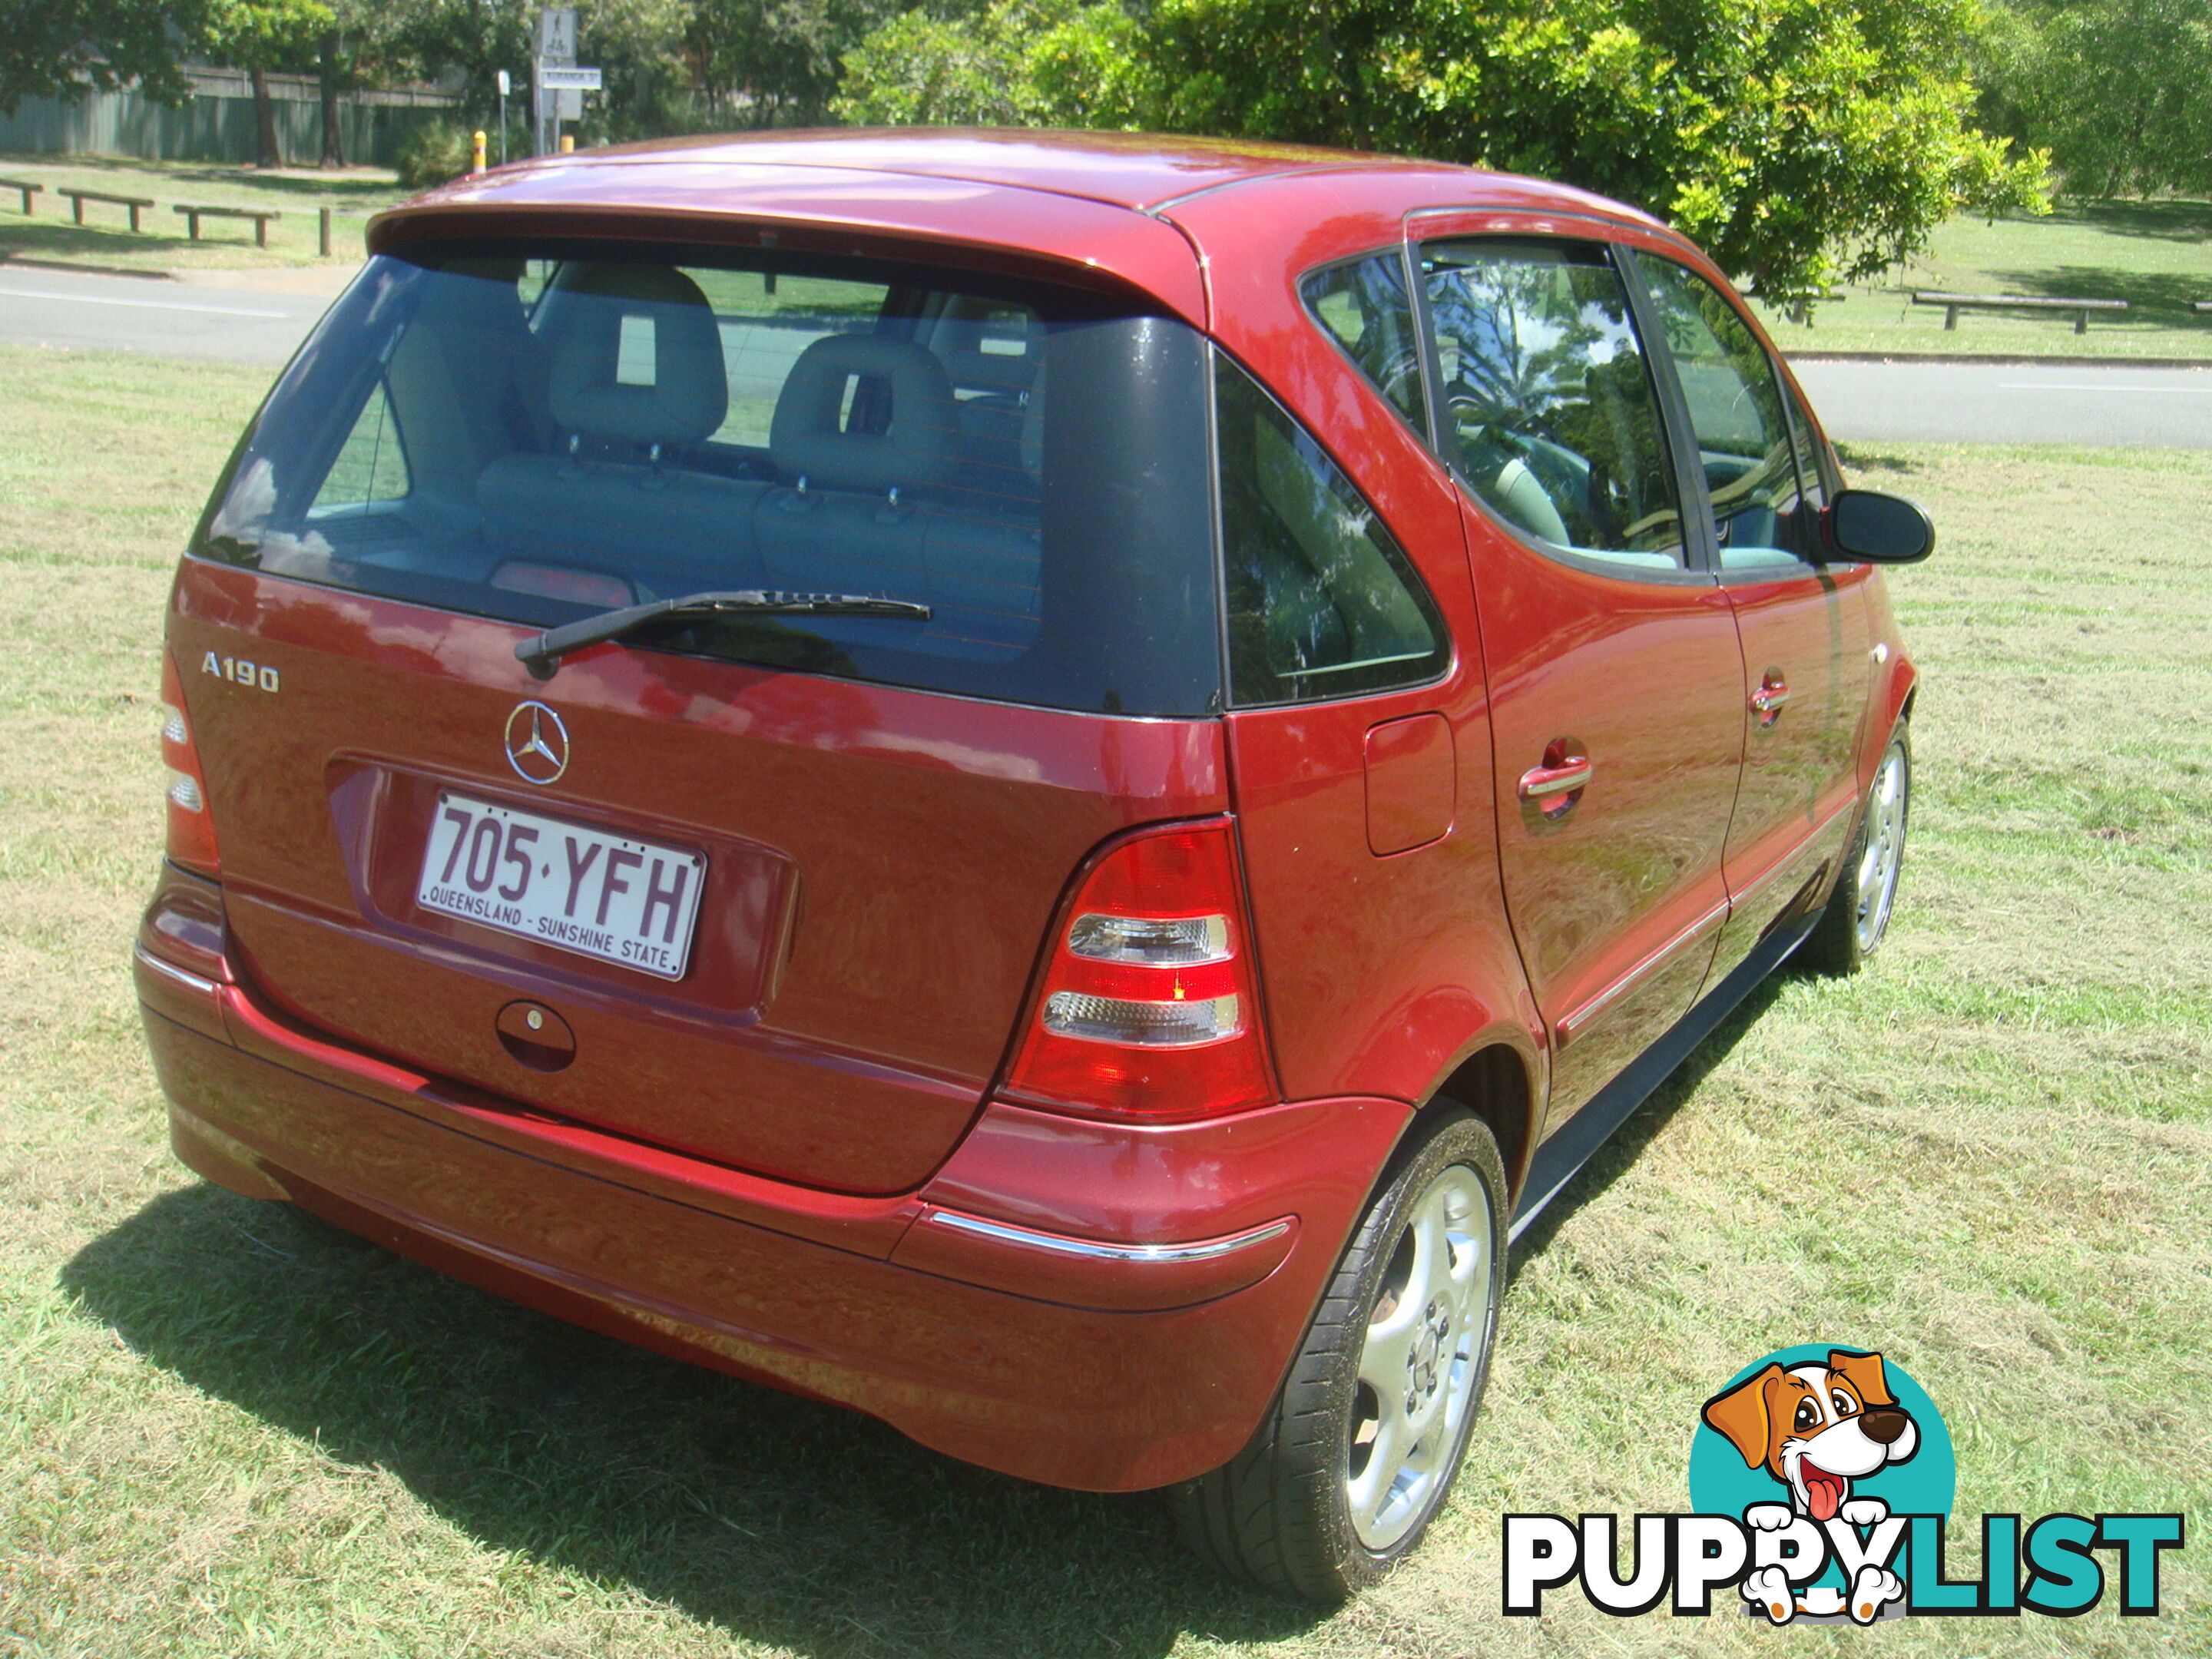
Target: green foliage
469 40
2119 90
633 42
435 153
1017 62
45 46
265 34
784 54
637 45
670 65
1797 140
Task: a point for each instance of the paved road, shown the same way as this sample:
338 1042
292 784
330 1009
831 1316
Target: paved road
2012 403
163 319
1993 403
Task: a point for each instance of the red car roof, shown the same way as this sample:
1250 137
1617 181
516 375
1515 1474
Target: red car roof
1143 171
1101 201
1125 169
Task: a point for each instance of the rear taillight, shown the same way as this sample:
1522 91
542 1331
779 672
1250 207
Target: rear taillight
191 834
1149 1009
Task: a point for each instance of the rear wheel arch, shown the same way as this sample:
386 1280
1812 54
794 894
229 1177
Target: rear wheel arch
1495 1083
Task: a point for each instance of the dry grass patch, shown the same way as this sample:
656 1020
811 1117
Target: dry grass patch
227 1430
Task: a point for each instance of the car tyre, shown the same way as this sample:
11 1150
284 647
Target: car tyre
1850 929
1306 1510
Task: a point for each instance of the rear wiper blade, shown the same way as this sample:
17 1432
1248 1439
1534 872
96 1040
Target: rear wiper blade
542 653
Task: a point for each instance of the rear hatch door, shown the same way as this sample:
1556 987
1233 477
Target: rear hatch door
769 894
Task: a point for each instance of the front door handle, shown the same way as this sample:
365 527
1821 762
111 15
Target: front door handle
1766 702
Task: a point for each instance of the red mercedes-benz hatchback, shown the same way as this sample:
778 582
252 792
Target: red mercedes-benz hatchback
1040 784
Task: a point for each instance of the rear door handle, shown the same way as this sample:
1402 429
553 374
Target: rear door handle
1766 702
1570 773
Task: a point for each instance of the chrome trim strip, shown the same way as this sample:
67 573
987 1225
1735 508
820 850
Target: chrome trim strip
1203 1250
190 981
1767 877
1571 1025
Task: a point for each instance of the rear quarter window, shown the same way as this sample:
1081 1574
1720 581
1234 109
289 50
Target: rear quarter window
1322 602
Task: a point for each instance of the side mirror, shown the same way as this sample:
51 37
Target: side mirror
1865 524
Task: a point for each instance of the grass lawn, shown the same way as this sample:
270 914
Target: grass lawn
2157 255
227 1430
105 238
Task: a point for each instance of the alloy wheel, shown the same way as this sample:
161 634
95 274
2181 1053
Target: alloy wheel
1882 853
1418 1363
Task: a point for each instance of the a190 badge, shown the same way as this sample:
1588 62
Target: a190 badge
257 677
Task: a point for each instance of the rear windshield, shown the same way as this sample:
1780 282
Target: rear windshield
540 433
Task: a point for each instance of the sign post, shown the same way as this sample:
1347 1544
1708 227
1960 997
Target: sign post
566 84
556 48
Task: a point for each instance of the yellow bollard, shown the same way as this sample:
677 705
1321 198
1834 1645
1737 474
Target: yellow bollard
476 153
568 143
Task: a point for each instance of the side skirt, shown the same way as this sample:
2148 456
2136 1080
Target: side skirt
1559 1159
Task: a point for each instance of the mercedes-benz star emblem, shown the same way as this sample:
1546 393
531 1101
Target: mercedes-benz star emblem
537 744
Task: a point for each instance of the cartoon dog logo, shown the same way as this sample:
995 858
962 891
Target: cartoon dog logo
1816 1429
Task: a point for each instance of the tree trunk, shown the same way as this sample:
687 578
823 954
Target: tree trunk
264 124
327 74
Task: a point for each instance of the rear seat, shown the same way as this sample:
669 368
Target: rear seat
910 510
614 491
875 511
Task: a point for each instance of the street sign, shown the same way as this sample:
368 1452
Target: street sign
557 36
558 100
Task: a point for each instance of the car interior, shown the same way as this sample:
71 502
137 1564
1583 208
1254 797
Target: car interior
597 447
1545 390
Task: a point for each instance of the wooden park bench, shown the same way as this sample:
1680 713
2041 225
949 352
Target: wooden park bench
261 216
1801 312
26 187
137 204
1953 304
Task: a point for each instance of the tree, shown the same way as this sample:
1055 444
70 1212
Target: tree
331 76
65 48
1797 140
261 36
1019 63
2120 90
634 43
783 54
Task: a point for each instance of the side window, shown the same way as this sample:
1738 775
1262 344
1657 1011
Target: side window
1744 440
1364 307
1549 399
370 468
1809 475
1321 601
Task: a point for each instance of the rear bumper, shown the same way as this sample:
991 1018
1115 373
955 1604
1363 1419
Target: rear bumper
1077 1303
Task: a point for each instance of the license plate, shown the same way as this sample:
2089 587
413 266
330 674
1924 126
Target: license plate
634 903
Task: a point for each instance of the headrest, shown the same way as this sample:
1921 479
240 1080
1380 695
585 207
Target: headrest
921 445
671 388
